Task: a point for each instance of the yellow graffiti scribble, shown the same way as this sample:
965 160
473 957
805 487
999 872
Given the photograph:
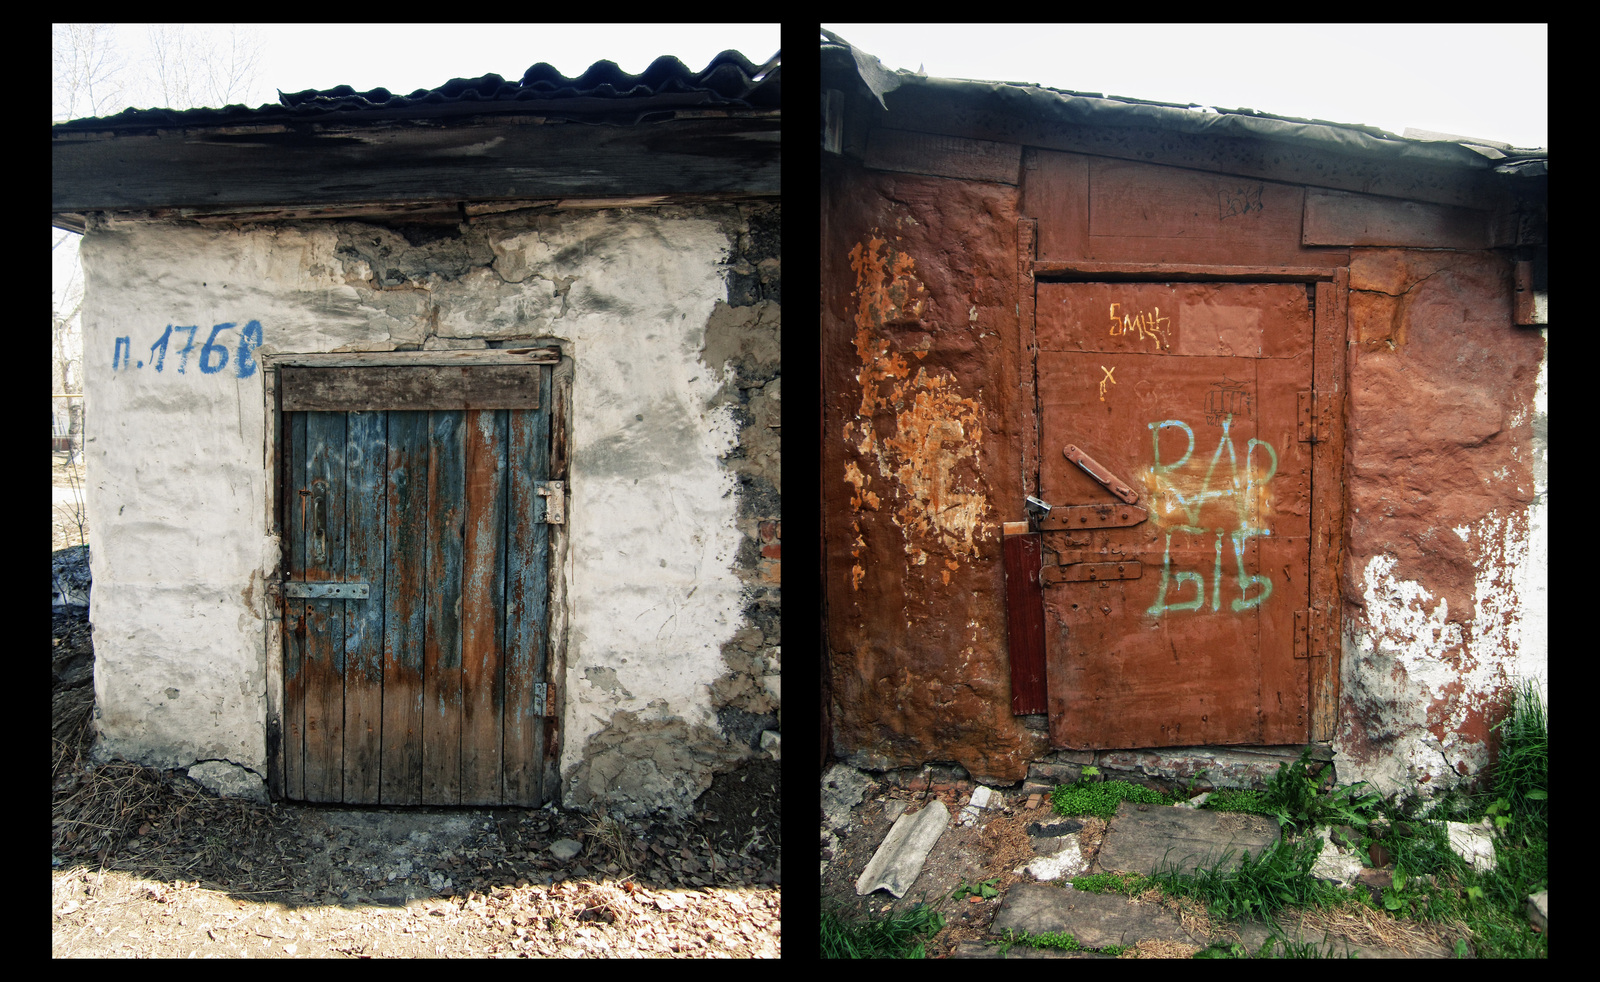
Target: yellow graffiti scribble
1108 380
1147 325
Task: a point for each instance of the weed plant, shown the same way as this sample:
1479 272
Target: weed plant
1100 799
1521 780
900 935
1258 886
1237 800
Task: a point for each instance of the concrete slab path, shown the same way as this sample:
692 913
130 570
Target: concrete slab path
1143 838
1140 839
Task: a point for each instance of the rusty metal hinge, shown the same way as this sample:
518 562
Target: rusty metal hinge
1310 427
1309 628
1128 569
539 699
555 495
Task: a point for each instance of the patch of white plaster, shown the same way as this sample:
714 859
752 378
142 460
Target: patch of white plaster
1400 668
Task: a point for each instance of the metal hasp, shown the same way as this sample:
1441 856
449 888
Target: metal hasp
327 591
1112 483
555 495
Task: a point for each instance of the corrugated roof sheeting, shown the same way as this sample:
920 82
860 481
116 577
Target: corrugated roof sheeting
730 81
842 62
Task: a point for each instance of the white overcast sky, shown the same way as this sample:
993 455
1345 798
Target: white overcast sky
1489 81
405 57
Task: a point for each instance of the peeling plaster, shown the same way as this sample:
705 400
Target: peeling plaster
932 454
1423 681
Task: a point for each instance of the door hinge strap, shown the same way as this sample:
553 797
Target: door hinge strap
1127 569
539 699
1310 426
1065 518
323 590
555 495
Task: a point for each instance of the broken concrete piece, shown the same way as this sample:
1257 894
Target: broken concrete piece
1335 864
1068 861
843 787
898 862
565 849
1539 910
982 798
1474 843
229 780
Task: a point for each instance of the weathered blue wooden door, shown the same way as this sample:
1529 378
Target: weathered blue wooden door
415 597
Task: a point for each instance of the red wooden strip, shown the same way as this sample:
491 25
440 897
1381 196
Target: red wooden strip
1025 623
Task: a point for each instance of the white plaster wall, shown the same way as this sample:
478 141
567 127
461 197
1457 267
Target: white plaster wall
1533 580
177 478
1421 672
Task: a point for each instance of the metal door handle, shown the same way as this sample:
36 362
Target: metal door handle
1114 484
319 527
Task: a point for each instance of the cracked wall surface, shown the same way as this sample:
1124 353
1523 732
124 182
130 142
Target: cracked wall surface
671 318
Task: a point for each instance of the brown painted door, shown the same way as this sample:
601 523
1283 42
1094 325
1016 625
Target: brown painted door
428 687
1188 392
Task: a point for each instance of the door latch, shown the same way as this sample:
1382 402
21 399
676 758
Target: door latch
1112 483
555 497
319 524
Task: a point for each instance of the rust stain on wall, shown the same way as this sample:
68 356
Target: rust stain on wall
931 454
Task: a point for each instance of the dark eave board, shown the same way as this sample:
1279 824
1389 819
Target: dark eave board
479 158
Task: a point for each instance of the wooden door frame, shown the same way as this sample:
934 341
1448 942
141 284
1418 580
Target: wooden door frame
1329 334
272 579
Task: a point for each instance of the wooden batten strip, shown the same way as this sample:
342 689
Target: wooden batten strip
417 387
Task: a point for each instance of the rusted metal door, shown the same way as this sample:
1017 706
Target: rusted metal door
1178 628
415 596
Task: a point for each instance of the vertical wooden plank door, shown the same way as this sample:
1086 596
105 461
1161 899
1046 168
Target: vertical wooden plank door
1187 392
427 690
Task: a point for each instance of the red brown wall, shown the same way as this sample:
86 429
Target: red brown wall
1441 476
924 428
920 466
